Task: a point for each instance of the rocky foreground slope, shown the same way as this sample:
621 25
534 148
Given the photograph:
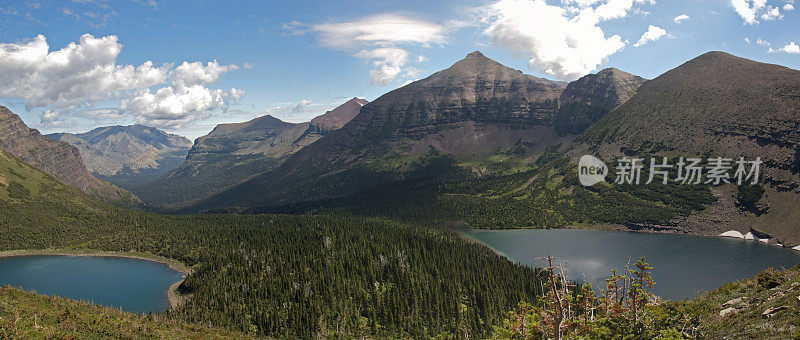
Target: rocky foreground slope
54 157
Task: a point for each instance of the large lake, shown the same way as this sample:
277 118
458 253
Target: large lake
683 265
131 284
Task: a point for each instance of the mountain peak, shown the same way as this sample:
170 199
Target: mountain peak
476 54
357 100
476 62
610 70
588 99
717 54
338 117
718 60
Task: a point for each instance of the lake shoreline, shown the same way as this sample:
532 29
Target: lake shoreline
644 229
175 298
710 260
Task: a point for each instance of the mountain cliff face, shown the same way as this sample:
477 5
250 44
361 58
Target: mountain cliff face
475 90
591 97
468 110
54 157
128 155
234 153
718 105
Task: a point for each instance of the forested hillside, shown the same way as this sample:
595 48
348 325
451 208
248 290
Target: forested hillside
282 276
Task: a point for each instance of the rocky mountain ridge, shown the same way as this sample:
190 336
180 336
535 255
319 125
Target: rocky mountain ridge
233 153
128 155
57 158
471 108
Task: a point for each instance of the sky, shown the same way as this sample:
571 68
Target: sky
185 66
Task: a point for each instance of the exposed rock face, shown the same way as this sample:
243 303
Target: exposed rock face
128 155
475 89
591 97
338 117
475 95
54 157
234 153
718 105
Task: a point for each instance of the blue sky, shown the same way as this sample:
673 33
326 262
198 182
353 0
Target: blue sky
297 59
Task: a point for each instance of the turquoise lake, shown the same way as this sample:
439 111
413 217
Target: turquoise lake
130 284
683 265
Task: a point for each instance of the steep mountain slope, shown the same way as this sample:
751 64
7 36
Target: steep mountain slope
234 153
471 109
54 157
718 105
591 97
128 155
338 117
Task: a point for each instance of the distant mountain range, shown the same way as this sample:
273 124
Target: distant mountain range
470 110
478 110
234 153
493 130
55 158
128 155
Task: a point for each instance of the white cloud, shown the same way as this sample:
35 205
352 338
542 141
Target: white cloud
301 106
752 10
681 18
102 114
197 73
791 48
301 111
178 105
80 72
388 63
381 40
653 33
71 80
771 13
382 30
563 41
295 28
788 7
747 40
49 117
